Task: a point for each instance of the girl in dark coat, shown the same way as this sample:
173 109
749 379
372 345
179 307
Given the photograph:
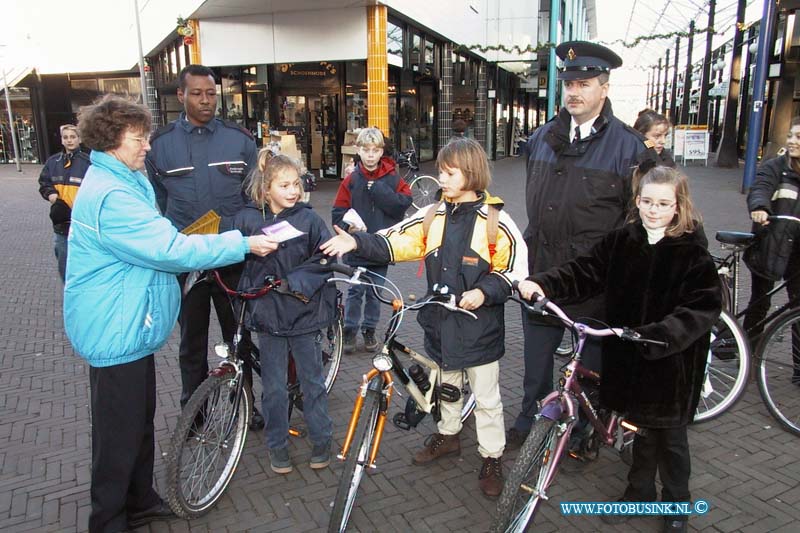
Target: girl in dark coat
290 318
776 255
659 280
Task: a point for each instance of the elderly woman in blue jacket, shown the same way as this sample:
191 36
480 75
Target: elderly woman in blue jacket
121 301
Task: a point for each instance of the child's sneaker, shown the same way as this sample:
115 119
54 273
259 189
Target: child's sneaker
320 455
370 342
349 340
279 461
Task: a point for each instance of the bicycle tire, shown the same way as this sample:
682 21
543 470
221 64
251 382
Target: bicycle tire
190 492
727 368
423 191
355 464
779 369
516 507
332 345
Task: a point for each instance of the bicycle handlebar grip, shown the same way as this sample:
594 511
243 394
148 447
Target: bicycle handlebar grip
342 269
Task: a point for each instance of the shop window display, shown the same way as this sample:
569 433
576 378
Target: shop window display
23 127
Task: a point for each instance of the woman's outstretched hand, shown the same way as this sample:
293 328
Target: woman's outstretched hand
261 245
339 245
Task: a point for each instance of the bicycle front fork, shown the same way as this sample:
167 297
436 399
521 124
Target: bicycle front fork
387 386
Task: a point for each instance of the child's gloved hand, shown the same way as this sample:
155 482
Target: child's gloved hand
471 300
528 288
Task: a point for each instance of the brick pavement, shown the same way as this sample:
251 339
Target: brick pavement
743 464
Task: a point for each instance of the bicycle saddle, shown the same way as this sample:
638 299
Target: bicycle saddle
737 238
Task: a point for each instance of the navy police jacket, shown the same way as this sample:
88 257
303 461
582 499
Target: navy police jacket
305 301
194 169
577 192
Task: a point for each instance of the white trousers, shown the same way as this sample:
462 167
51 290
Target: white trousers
484 382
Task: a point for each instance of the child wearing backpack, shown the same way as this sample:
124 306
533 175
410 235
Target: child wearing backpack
380 197
479 273
291 317
659 280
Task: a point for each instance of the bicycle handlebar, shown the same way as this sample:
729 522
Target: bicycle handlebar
545 307
773 218
440 295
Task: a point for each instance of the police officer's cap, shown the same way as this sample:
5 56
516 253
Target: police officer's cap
584 60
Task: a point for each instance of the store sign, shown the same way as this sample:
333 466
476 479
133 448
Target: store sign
320 73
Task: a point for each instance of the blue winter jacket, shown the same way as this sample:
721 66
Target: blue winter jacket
121 295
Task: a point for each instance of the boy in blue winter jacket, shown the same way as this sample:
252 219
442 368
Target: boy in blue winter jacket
380 197
291 317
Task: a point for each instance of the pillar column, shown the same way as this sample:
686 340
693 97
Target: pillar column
377 69
446 95
480 106
194 48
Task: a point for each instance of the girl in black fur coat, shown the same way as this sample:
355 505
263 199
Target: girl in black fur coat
659 280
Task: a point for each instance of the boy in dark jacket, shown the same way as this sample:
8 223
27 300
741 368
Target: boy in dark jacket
58 184
290 318
380 197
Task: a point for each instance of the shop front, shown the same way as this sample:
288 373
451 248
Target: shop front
24 127
305 101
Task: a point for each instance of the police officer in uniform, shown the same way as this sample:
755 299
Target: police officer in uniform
578 189
198 163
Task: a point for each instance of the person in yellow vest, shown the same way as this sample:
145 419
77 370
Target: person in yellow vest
59 180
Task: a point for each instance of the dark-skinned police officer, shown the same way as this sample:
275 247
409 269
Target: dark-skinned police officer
198 163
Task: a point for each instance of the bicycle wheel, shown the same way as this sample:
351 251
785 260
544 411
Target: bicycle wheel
528 480
423 191
204 454
356 462
779 369
727 367
332 351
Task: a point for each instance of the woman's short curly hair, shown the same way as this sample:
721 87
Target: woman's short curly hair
102 124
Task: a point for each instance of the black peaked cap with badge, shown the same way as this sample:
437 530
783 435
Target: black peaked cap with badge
584 60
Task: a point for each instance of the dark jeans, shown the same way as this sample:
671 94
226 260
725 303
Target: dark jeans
307 353
665 451
60 249
123 406
194 320
372 306
541 342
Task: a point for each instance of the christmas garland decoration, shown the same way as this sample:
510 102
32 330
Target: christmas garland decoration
541 47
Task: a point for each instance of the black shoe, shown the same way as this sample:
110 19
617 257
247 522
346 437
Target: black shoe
515 438
160 511
349 341
370 342
675 526
256 421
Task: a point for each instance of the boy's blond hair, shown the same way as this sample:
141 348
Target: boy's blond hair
369 136
469 157
269 167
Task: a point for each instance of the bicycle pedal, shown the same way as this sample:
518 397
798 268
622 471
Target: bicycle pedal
298 432
448 393
399 420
